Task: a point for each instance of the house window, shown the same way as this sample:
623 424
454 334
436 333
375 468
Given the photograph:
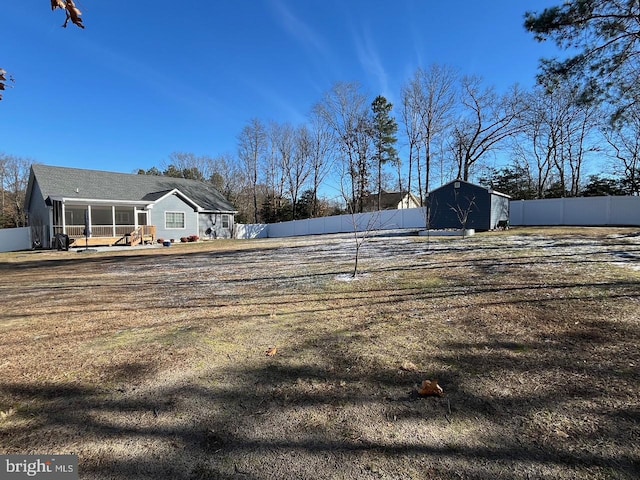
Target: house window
174 219
225 221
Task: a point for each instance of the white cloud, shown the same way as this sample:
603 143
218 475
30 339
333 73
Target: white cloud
370 60
298 28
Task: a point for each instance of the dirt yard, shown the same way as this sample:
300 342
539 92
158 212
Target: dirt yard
152 364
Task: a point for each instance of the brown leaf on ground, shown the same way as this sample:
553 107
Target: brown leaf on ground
408 366
430 388
271 352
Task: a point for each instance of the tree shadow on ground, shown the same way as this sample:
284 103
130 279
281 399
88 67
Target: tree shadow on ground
337 403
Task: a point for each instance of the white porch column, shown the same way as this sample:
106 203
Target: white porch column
90 222
113 219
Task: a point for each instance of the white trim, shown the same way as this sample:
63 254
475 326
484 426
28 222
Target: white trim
500 194
84 201
184 220
137 212
175 191
227 212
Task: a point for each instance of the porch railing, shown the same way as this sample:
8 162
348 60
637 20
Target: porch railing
77 231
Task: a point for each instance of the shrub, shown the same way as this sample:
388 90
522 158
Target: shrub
193 238
184 239
161 240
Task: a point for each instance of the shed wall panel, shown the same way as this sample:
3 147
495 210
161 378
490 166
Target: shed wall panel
449 205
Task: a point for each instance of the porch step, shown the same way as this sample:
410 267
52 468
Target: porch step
93 242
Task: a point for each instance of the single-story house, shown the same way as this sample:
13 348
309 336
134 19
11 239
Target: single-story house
121 208
461 204
390 201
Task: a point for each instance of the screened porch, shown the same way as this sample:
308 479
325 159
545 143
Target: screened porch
108 224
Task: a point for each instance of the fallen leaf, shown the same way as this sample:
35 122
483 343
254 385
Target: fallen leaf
430 388
408 366
272 351
7 414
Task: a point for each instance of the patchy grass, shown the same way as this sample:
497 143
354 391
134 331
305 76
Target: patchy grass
151 364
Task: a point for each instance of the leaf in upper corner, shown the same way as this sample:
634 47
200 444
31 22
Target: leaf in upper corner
58 4
74 14
271 352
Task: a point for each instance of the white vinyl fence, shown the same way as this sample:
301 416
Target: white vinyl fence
385 220
581 211
15 239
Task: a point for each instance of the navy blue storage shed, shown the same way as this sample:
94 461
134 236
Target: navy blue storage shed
461 204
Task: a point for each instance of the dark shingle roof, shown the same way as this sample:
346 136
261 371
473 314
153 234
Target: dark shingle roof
98 185
388 200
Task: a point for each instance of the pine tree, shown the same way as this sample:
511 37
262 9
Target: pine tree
384 130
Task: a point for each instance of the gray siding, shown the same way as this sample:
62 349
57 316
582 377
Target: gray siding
38 215
448 203
499 210
485 208
211 226
173 203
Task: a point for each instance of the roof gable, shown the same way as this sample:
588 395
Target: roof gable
469 185
389 200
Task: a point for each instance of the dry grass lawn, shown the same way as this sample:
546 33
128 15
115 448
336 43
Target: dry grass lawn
151 363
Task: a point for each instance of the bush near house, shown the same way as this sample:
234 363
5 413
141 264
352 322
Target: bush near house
190 238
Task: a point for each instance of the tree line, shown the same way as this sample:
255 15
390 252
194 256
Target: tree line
447 126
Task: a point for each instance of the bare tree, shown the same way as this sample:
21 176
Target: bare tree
188 165
316 140
344 110
299 169
280 151
224 174
14 176
363 224
581 123
438 100
410 117
486 120
538 145
557 135
624 140
463 208
252 145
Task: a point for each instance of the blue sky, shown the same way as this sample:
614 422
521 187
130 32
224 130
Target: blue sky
158 77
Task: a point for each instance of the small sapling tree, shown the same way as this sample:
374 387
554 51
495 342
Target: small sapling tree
462 209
